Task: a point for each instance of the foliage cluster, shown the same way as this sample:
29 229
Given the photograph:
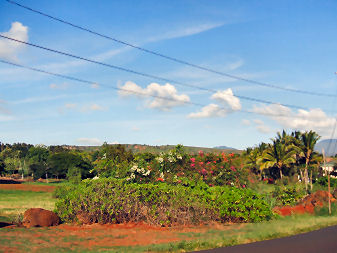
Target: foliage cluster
41 161
288 195
174 167
116 201
287 155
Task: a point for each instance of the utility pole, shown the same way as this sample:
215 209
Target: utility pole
328 182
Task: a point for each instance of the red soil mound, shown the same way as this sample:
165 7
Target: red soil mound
38 217
307 205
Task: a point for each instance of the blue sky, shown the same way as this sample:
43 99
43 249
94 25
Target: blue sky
291 44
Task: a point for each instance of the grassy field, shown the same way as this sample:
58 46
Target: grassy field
14 202
124 238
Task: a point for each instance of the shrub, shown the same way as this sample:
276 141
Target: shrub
218 169
288 195
239 205
117 201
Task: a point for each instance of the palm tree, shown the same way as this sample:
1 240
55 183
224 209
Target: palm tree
277 155
251 160
283 137
252 156
308 142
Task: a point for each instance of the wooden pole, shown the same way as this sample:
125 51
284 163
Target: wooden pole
328 183
329 193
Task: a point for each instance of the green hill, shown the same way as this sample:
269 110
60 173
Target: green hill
136 148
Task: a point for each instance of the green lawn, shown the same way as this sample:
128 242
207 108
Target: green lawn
14 202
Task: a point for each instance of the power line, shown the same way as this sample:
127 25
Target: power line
91 82
173 58
148 75
139 93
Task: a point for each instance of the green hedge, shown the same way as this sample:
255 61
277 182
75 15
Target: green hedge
117 201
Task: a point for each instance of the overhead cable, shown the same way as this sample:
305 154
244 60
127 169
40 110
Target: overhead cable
148 75
174 59
80 80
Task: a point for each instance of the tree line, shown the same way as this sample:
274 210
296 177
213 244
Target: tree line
287 155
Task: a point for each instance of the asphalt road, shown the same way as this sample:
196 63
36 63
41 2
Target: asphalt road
319 241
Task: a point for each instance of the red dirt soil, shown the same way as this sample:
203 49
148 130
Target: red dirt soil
27 187
96 236
307 205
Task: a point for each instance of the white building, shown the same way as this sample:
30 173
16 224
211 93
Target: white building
329 168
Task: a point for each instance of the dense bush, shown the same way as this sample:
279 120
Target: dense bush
112 161
117 201
173 167
288 195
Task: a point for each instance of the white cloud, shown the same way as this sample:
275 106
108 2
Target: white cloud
70 106
261 126
114 142
68 66
6 118
2 107
246 122
234 65
274 110
95 86
209 111
62 86
10 49
135 129
89 141
227 97
5 114
200 77
258 122
166 91
111 53
263 129
185 31
94 107
304 120
83 108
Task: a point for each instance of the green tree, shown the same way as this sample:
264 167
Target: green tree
113 161
278 155
64 163
37 158
2 166
252 156
308 142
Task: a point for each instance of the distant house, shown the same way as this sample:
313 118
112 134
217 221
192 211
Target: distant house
330 168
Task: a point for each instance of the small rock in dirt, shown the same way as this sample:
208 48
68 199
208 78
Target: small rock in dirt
38 217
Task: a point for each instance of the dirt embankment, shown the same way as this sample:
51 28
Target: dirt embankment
306 205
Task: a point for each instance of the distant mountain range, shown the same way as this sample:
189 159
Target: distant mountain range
135 148
324 144
224 147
